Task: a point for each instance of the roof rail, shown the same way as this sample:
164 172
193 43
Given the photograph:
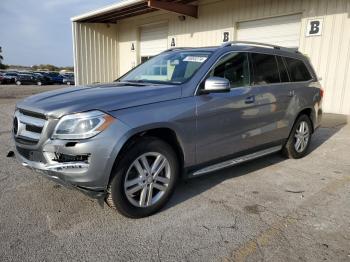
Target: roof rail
231 43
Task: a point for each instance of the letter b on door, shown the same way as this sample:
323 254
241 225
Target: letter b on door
314 27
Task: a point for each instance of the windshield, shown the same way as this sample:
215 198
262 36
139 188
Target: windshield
168 68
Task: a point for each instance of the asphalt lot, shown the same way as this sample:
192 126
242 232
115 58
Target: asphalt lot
270 209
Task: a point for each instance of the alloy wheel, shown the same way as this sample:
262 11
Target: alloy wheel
147 179
302 136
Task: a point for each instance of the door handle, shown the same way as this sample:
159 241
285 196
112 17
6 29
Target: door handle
250 100
291 93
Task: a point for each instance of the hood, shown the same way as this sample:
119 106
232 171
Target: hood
106 97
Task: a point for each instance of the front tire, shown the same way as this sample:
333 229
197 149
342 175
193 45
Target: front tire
145 178
300 138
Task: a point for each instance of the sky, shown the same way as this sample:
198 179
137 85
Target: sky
39 31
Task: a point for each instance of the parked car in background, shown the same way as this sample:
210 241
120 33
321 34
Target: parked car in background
131 140
68 79
55 77
9 78
42 79
25 79
1 77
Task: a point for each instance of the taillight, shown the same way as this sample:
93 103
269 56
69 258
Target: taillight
321 92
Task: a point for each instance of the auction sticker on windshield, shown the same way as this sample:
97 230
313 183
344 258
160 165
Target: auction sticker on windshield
197 59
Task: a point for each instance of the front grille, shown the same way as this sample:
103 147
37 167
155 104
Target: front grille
26 141
28 126
23 152
31 155
32 114
62 158
35 129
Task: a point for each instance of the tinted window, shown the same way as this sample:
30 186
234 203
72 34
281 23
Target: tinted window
297 70
283 70
235 68
265 69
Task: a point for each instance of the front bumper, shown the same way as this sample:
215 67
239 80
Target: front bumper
86 165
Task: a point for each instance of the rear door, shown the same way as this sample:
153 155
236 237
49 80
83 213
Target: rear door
225 121
273 99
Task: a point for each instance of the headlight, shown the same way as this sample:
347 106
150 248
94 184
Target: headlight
82 125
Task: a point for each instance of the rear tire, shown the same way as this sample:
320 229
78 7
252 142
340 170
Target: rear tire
39 83
299 139
18 83
144 179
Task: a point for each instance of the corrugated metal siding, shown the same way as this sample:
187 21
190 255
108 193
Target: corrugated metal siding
95 53
329 53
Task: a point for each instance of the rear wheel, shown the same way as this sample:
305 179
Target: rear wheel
39 83
299 140
144 179
18 83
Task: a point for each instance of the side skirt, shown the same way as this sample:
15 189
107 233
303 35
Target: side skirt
235 161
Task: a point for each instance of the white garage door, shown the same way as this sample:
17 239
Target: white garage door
282 30
153 39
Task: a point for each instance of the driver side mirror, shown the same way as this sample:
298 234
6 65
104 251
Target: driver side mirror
216 85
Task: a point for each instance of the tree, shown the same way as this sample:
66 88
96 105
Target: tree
1 57
2 66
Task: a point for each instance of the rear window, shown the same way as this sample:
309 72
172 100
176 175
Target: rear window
298 71
265 69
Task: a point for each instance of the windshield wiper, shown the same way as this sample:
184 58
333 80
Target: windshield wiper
157 82
132 83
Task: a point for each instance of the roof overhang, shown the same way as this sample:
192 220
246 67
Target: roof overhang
130 8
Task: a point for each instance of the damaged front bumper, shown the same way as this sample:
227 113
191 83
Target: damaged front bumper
84 164
61 174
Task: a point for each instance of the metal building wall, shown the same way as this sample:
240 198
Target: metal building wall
329 53
95 53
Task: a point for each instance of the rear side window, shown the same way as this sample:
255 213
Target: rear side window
298 72
283 70
265 69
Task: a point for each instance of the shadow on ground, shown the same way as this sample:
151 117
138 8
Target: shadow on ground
188 189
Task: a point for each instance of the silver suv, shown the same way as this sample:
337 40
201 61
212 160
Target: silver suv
183 113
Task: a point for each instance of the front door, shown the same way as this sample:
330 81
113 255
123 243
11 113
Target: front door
225 120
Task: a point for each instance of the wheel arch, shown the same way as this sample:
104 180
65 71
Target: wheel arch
165 134
310 112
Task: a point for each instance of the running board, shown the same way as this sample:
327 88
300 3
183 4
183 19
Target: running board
236 161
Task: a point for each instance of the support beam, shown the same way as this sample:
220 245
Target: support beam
182 9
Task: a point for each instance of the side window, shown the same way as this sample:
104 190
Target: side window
298 72
283 70
235 68
265 69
